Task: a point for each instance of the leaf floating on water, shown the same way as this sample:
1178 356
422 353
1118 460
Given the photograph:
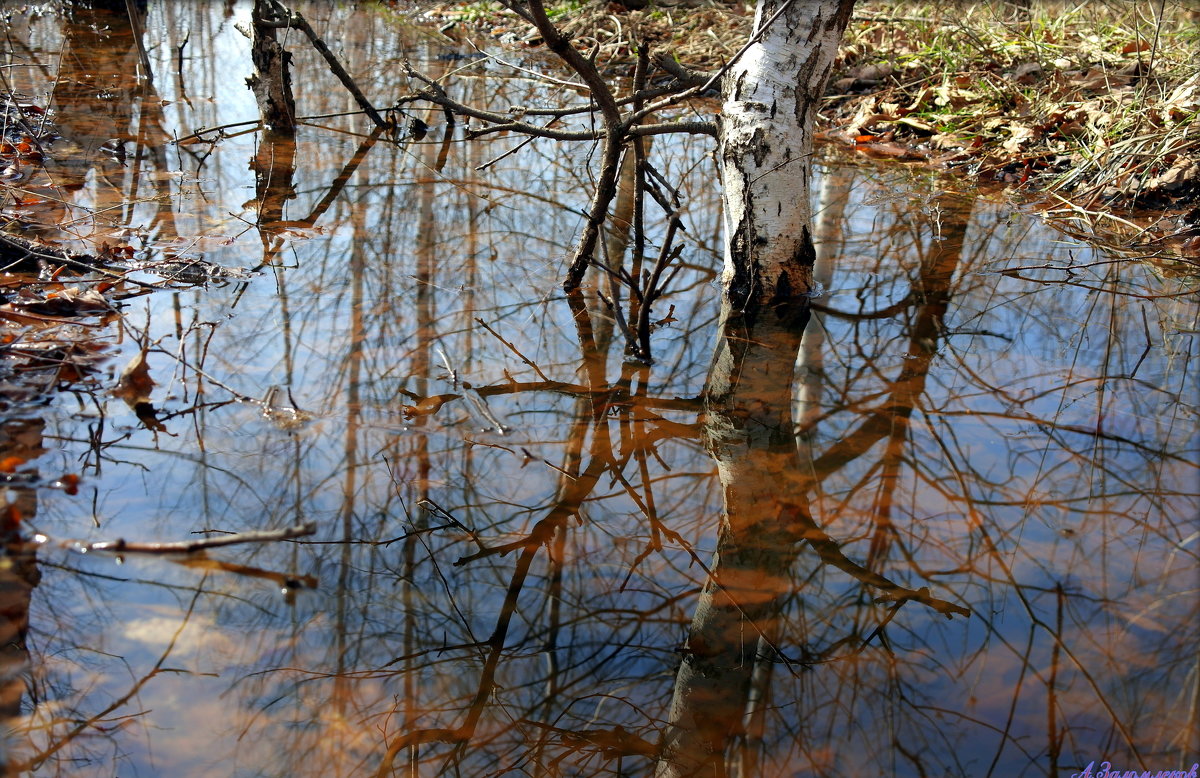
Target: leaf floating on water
69 483
135 383
71 301
428 406
418 129
148 415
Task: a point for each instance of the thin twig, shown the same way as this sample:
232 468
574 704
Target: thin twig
513 349
123 546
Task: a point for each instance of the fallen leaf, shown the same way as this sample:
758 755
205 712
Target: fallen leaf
1019 135
889 150
843 85
1184 100
1183 174
874 72
70 483
1097 80
148 415
135 384
917 124
1027 73
428 406
1071 129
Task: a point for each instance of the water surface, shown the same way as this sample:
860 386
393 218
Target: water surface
503 578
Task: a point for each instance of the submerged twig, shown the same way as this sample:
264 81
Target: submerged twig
512 348
187 546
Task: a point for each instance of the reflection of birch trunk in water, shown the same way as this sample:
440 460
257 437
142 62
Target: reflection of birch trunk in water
426 247
749 430
353 366
19 575
616 242
827 236
721 688
771 96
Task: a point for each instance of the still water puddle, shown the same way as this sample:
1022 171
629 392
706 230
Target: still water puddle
514 525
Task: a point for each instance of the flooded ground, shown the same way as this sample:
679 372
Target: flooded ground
514 524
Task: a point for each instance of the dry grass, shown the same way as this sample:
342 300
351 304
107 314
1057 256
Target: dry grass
1095 99
1100 99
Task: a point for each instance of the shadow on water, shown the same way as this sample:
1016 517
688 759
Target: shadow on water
939 522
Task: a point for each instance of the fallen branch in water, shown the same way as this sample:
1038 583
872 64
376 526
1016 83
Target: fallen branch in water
188 546
22 254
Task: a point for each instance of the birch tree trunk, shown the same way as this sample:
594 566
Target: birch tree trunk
771 97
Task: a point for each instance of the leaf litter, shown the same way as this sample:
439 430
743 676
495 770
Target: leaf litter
1096 101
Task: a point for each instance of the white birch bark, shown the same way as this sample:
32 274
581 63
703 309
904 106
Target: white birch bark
772 95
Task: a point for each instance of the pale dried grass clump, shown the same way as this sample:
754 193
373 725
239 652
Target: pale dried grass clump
1101 99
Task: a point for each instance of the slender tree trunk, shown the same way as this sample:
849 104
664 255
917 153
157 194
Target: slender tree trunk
810 366
272 78
771 97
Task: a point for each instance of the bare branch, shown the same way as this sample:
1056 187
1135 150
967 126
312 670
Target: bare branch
686 75
296 19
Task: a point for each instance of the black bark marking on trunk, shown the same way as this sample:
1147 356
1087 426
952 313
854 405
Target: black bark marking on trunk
810 87
761 149
733 85
806 254
741 247
841 17
816 28
789 301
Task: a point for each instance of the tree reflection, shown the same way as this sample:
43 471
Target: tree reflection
767 517
19 576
